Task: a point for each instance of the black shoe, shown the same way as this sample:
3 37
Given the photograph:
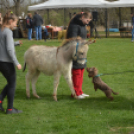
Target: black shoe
2 109
13 111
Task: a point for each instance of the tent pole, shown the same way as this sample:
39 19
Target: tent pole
120 16
64 16
106 21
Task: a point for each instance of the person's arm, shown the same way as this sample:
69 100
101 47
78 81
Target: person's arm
10 48
41 19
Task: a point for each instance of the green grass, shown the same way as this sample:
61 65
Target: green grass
93 115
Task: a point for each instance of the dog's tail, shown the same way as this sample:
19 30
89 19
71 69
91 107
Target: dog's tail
24 67
115 93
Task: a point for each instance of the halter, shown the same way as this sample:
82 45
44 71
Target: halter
77 58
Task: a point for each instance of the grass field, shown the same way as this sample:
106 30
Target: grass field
93 115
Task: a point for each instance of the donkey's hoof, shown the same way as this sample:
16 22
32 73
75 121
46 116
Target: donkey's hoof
36 96
27 97
75 96
39 97
55 97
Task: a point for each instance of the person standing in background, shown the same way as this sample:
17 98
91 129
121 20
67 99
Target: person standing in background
0 19
29 25
132 15
37 22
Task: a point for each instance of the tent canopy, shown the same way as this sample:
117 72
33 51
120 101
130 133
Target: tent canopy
81 3
66 4
119 3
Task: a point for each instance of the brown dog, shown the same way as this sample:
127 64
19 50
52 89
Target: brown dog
99 84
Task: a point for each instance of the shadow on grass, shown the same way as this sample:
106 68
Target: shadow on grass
119 102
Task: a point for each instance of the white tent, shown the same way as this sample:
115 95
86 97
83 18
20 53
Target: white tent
81 3
119 3
67 4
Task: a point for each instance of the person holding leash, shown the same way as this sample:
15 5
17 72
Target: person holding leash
77 27
8 61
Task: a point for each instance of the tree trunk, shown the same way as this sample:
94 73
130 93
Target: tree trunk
17 5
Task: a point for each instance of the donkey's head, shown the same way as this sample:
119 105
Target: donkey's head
81 51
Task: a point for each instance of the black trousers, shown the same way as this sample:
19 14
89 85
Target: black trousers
8 71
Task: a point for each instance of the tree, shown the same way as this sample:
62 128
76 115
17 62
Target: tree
5 4
17 4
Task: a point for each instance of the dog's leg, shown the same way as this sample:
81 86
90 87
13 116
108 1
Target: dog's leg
56 82
95 87
108 94
111 98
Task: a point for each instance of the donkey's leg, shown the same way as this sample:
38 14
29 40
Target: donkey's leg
28 79
68 78
56 82
34 80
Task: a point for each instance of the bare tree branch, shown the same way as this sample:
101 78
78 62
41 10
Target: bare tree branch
17 5
4 3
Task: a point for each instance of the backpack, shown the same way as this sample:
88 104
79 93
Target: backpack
28 22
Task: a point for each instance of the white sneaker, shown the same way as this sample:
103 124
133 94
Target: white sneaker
85 95
80 97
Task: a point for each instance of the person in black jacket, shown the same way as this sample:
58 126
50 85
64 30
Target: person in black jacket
37 22
77 27
29 25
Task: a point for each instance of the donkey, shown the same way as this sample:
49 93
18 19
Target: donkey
55 61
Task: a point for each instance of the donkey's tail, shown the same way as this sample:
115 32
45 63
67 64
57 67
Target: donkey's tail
24 67
115 93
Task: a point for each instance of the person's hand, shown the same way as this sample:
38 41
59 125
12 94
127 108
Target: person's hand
20 42
132 27
19 67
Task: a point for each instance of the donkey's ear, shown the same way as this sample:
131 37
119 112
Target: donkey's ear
90 42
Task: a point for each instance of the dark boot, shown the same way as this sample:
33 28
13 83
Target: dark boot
13 111
2 109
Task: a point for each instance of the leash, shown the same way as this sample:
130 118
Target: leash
113 73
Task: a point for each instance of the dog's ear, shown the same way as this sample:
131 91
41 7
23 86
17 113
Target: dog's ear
87 68
94 68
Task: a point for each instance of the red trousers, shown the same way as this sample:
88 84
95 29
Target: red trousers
77 77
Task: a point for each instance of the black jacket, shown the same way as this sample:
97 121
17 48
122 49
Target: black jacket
77 28
37 20
29 22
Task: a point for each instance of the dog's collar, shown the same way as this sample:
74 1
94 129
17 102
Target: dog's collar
98 75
